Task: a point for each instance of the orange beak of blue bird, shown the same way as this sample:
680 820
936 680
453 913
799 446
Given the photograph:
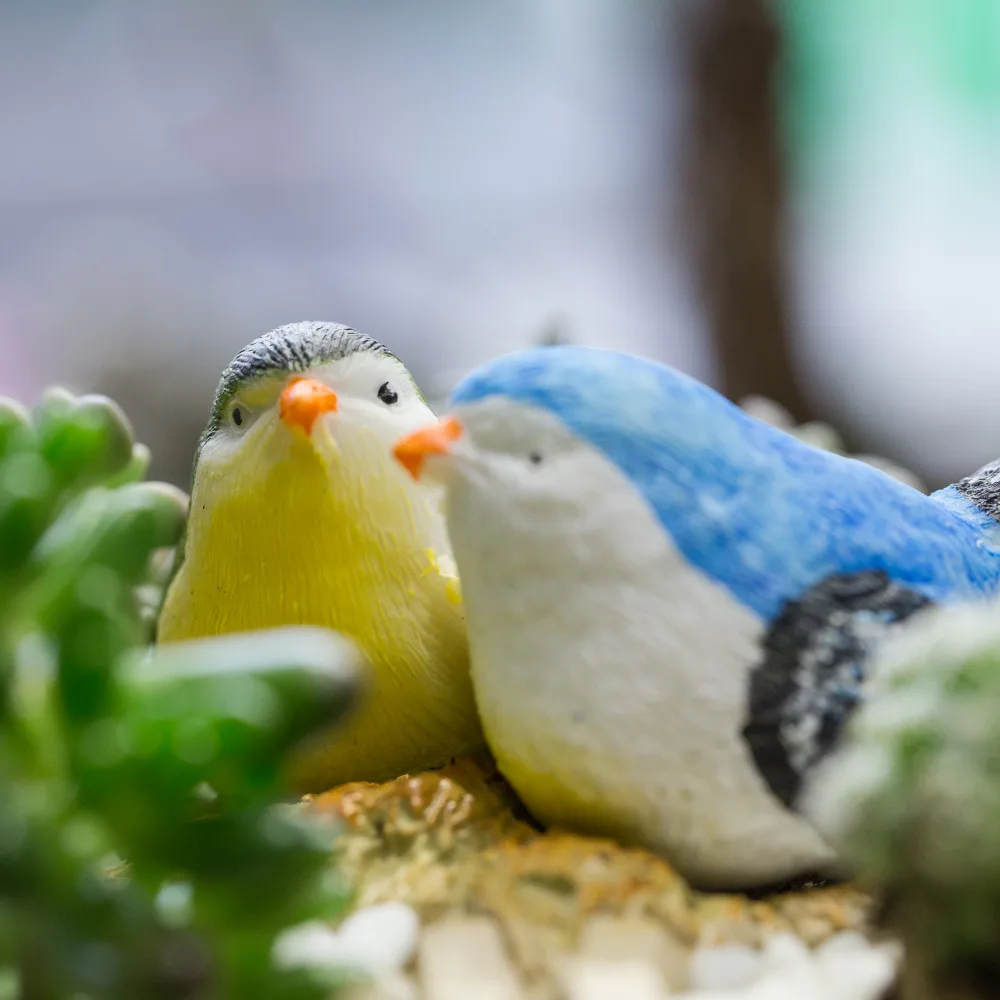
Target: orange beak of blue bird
303 401
436 439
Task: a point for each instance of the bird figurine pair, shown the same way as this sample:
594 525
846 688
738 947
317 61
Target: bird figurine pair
670 606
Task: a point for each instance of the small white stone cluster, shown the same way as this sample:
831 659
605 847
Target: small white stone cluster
465 961
846 967
377 942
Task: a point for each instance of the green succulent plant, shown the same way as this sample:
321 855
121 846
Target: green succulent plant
146 845
913 798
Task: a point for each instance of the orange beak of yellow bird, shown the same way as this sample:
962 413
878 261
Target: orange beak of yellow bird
436 439
304 401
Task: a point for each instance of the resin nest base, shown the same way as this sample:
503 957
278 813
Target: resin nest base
531 906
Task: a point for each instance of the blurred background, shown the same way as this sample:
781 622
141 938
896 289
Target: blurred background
797 198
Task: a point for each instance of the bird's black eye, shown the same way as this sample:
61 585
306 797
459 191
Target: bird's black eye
535 457
386 394
237 416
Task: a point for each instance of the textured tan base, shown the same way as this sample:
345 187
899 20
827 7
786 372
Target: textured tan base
539 915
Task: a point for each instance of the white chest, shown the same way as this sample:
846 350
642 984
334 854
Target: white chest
611 680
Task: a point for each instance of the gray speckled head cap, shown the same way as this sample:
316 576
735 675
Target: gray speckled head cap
291 348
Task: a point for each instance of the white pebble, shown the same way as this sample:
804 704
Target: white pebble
601 980
382 936
375 939
309 944
785 951
846 969
856 973
843 943
724 967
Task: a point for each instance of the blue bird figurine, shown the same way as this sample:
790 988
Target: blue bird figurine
671 605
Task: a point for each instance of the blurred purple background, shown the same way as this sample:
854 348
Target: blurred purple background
455 179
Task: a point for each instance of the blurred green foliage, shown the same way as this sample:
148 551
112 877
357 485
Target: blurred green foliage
913 799
144 849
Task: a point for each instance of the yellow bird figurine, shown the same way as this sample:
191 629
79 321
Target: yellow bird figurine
299 515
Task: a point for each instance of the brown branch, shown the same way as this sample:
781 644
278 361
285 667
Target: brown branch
734 204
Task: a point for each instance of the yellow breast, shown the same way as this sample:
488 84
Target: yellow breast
307 541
